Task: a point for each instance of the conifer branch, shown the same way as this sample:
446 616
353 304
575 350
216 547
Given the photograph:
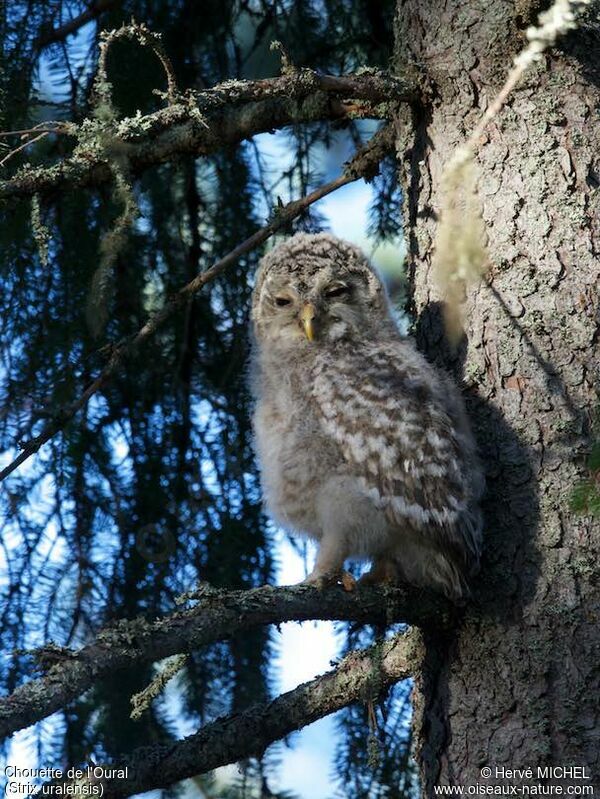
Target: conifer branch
364 164
219 615
54 35
202 123
248 734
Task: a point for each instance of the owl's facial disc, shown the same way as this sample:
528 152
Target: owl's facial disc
302 310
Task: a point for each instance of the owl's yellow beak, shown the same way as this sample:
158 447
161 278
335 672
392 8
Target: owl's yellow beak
307 315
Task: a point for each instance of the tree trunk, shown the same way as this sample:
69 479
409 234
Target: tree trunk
517 685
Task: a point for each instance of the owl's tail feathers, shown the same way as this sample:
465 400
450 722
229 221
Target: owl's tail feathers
428 567
444 560
447 575
460 548
471 528
462 556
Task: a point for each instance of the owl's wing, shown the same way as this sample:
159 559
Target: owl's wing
392 419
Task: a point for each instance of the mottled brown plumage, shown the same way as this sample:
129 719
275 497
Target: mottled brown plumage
363 445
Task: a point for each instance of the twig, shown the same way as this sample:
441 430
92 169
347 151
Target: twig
141 701
23 146
219 615
60 127
364 164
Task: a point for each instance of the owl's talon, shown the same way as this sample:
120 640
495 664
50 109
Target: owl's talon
322 580
348 582
319 581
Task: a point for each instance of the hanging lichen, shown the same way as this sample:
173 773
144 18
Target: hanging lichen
41 234
287 66
460 257
111 245
371 693
373 751
100 134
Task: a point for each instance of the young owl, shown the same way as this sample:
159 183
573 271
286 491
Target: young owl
363 445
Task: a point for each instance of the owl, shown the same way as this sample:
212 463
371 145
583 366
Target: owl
363 445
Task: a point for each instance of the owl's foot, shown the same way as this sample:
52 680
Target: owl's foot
383 571
322 580
348 582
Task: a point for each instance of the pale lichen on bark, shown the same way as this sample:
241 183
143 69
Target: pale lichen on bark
249 733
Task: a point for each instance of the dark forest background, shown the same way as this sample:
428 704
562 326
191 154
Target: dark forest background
154 486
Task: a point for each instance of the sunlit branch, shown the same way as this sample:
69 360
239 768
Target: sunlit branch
218 615
205 122
363 165
361 676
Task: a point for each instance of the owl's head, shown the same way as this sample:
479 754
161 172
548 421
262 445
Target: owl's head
314 289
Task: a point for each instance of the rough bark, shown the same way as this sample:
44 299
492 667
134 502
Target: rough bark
218 615
517 684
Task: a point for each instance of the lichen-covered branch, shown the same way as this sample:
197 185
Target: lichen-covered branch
217 616
364 164
141 701
204 122
248 734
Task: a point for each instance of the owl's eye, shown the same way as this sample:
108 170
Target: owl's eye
282 301
337 291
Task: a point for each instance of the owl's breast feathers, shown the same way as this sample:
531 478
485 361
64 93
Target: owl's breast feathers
402 432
